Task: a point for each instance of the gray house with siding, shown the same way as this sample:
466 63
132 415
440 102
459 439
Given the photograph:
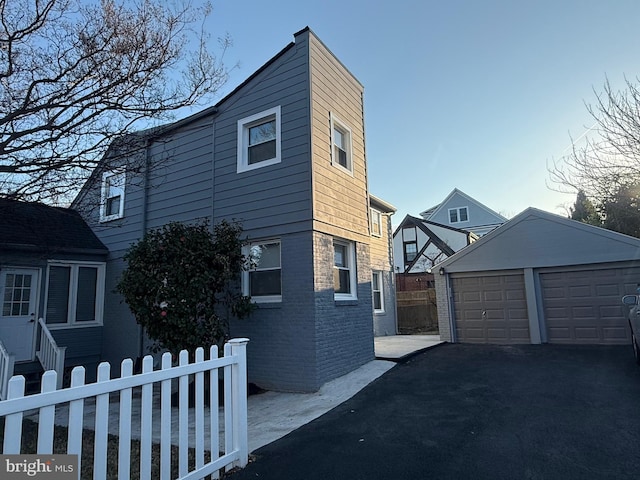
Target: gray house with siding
284 153
52 267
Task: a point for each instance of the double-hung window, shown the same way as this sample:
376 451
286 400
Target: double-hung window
457 215
344 270
259 140
410 251
112 199
263 281
341 145
376 223
75 293
378 292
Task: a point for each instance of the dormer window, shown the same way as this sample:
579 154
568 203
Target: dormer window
457 215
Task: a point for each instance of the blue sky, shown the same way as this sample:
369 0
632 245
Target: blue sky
475 95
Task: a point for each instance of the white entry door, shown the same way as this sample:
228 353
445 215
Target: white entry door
19 296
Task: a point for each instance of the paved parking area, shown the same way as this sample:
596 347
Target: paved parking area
476 411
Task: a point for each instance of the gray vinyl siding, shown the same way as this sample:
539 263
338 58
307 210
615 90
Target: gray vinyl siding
121 334
385 323
276 198
180 182
83 343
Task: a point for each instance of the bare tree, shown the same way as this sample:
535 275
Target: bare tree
77 74
610 156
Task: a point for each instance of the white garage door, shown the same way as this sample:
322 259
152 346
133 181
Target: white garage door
584 307
490 309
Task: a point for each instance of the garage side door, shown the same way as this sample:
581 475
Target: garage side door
584 307
490 309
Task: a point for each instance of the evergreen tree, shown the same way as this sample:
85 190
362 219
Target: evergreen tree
585 211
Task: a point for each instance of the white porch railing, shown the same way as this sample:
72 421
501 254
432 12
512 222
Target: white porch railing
51 356
6 370
235 448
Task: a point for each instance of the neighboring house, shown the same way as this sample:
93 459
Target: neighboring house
539 278
420 244
284 153
52 266
461 211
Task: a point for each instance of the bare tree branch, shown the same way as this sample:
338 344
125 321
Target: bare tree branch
77 74
610 158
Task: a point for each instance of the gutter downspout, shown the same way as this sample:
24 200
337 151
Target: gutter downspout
143 223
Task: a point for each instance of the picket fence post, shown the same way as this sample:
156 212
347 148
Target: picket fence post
239 400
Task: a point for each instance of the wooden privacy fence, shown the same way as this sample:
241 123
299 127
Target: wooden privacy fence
417 311
234 451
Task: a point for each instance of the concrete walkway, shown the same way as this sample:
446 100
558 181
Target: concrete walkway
397 347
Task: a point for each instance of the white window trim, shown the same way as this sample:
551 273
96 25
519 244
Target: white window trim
457 210
352 267
336 122
243 140
380 289
378 215
103 196
73 292
246 250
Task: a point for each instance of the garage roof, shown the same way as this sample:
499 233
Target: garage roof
535 238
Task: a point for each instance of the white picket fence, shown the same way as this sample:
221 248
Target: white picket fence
235 448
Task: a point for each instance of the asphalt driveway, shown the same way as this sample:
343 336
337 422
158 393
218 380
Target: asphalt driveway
476 412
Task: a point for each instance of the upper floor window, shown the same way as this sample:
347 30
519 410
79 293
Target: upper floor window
263 280
259 140
341 144
75 293
376 223
410 251
458 215
344 270
112 199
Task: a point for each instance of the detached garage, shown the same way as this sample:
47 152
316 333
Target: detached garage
539 278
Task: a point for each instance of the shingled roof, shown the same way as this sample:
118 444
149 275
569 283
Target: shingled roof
39 227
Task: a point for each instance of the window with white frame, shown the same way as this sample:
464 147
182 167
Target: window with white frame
341 144
112 201
263 281
75 294
457 215
344 270
259 140
376 223
378 292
